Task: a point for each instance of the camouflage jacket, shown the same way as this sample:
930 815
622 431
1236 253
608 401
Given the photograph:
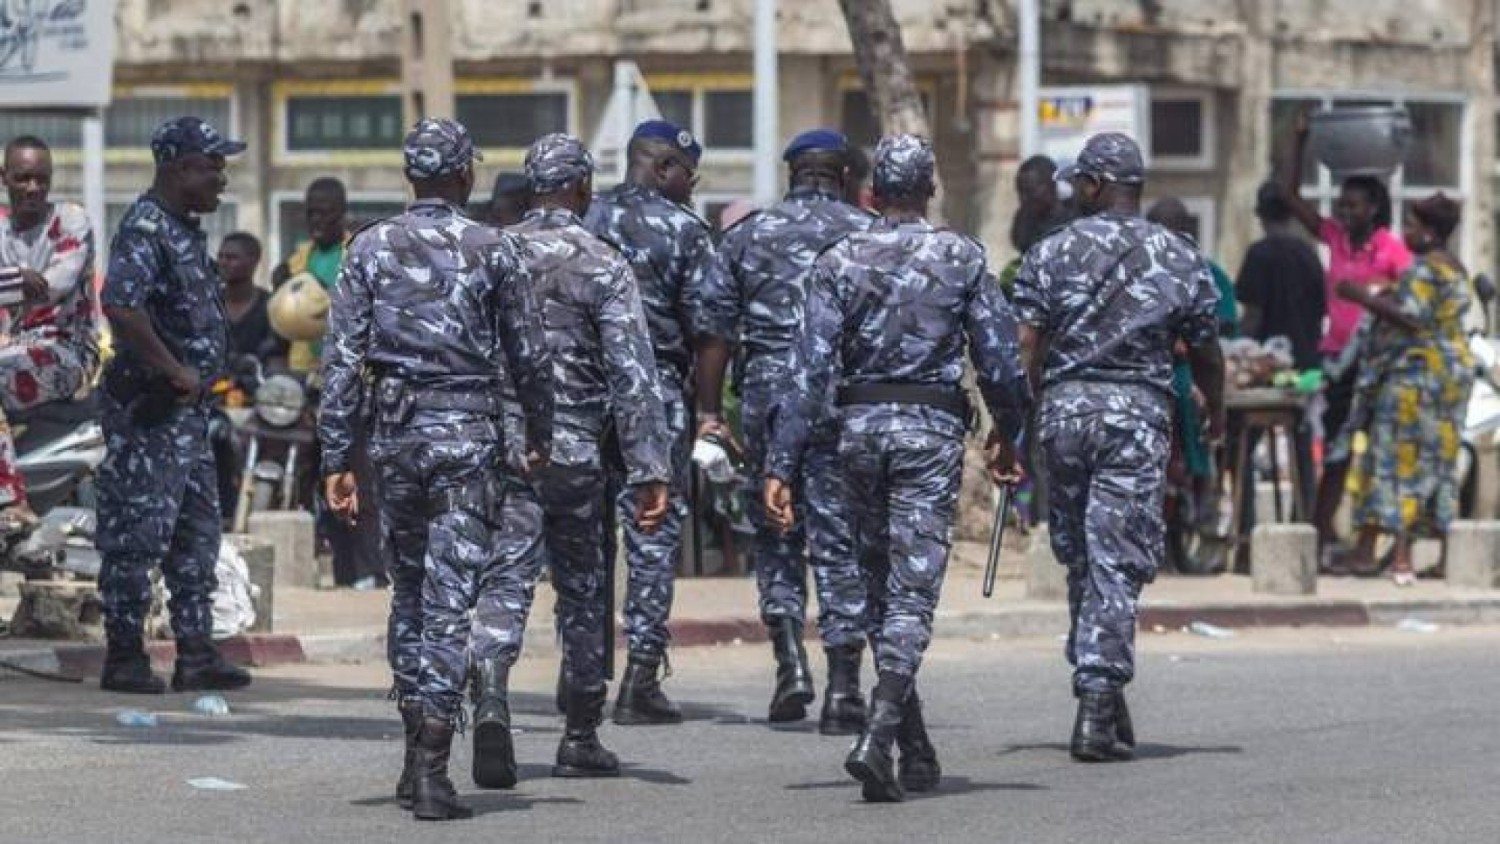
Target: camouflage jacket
757 293
602 365
896 305
159 264
442 303
1112 294
670 251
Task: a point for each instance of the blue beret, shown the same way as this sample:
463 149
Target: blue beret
661 130
826 139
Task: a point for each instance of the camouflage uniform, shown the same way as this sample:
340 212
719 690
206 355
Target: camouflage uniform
604 375
158 494
436 310
894 305
756 296
54 348
1111 294
669 249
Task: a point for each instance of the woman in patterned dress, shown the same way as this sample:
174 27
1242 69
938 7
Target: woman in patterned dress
1412 393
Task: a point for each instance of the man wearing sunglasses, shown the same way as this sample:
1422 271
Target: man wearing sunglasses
1101 304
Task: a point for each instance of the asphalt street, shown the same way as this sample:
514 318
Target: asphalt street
1272 736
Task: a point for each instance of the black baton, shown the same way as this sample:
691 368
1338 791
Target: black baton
1002 515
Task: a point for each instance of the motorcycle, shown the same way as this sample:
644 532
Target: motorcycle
59 448
278 436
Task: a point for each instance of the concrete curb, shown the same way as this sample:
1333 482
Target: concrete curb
1031 619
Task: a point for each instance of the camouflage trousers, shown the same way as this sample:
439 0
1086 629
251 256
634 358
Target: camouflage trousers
821 530
33 371
463 536
652 558
903 514
1106 462
574 500
158 505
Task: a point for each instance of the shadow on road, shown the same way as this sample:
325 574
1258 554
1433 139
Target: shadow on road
1142 752
483 803
951 786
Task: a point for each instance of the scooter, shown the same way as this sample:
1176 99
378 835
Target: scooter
59 447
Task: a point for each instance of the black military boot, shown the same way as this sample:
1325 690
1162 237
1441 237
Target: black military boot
1095 736
918 767
580 754
433 795
794 685
410 708
200 667
641 700
871 760
1124 727
127 669
494 750
843 705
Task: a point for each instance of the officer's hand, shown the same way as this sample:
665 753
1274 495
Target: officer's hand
650 506
1000 459
1218 426
34 286
778 501
186 382
342 495
715 427
534 461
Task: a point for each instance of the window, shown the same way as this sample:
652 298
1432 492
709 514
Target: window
291 219
513 121
859 123
719 113
130 122
1182 124
1433 160
362 122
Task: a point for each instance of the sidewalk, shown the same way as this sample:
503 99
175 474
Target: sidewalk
342 625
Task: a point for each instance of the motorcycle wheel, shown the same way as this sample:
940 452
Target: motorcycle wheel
1189 550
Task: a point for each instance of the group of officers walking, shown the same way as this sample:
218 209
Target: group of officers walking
528 388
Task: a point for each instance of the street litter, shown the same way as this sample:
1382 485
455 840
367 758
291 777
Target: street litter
215 784
1209 631
1416 625
137 718
211 705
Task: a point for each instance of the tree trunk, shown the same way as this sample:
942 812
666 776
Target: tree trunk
893 95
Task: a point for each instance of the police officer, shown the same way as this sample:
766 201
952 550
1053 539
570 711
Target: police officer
756 296
158 494
433 311
605 377
670 251
889 313
1101 303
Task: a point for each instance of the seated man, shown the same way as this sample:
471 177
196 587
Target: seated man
50 349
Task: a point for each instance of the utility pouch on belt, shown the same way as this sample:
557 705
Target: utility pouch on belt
393 402
950 399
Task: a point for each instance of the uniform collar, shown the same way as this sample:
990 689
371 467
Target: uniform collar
811 192
190 221
887 224
553 216
432 203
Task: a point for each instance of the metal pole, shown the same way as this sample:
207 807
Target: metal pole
93 174
1030 74
766 102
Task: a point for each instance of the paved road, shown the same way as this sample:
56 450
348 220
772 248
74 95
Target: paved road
1274 736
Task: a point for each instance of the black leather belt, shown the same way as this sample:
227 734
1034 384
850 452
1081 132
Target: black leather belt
943 397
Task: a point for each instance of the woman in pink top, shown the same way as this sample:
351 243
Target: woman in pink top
1361 251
